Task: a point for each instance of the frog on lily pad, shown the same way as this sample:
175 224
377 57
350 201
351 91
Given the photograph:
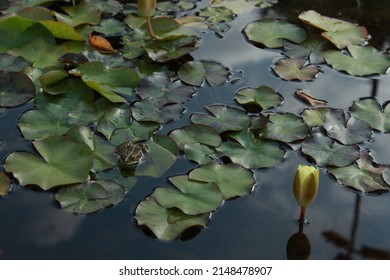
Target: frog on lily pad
130 154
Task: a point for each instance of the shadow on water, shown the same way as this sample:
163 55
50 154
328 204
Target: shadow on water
262 225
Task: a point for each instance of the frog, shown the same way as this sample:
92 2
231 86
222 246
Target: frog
130 154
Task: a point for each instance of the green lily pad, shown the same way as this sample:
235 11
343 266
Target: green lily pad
63 162
370 111
315 117
166 224
348 132
273 33
5 184
52 76
199 153
133 50
156 110
295 69
232 179
312 49
158 86
16 89
223 118
110 27
107 80
251 152
82 13
114 117
366 176
217 14
90 196
327 152
361 61
166 50
62 30
263 3
193 134
10 63
167 28
263 96
195 72
341 33
285 128
191 197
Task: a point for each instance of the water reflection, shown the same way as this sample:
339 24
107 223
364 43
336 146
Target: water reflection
298 245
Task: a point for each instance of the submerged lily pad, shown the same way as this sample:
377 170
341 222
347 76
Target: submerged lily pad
285 128
263 96
251 152
327 152
295 69
341 33
232 179
90 196
63 162
273 33
360 61
370 111
348 132
5 184
223 118
191 197
366 176
15 89
195 72
166 224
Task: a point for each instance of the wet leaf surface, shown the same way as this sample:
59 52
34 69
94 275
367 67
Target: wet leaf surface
263 96
15 89
295 69
370 111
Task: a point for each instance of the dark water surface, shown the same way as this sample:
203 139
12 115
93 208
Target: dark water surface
257 226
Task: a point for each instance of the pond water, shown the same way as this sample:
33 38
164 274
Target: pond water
342 224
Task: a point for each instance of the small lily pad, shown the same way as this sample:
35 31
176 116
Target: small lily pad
232 179
370 111
263 96
195 72
360 61
273 33
223 118
217 14
90 196
327 152
166 224
5 184
348 132
16 89
295 69
285 128
251 152
156 110
193 134
192 197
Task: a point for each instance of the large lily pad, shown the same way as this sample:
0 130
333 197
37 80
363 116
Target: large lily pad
223 118
366 176
62 30
107 80
166 224
341 33
312 49
63 162
370 111
251 152
194 134
295 69
15 89
191 197
82 13
232 179
156 110
285 128
195 72
199 153
263 96
273 33
348 132
361 61
316 116
90 196
327 152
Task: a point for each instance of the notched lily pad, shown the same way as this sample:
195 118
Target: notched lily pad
166 224
315 117
295 69
327 152
156 110
16 89
194 134
217 14
273 33
263 97
90 196
370 111
312 50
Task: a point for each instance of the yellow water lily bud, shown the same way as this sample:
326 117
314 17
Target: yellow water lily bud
306 183
146 7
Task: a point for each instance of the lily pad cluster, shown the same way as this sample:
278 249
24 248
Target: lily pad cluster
341 44
103 89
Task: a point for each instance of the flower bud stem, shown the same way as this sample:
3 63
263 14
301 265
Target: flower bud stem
302 215
150 28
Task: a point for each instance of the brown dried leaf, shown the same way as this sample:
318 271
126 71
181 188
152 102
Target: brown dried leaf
101 44
305 96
